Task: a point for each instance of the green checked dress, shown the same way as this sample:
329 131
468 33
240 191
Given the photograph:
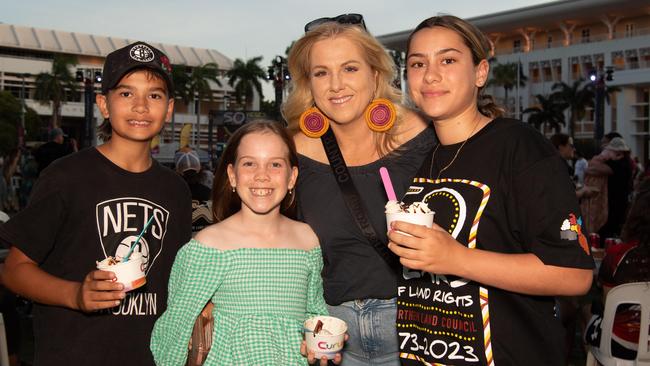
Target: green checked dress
262 296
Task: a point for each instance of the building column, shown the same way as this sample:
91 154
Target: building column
567 30
610 22
493 39
529 36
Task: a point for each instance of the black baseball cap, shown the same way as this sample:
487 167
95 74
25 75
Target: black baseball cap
135 56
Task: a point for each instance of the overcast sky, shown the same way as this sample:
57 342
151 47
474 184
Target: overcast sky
237 28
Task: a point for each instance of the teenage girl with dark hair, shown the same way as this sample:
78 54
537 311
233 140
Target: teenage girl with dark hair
478 287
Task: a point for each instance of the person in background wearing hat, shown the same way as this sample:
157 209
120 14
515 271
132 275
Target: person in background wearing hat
54 149
92 205
613 163
188 165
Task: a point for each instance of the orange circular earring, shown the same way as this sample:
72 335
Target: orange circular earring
380 115
313 123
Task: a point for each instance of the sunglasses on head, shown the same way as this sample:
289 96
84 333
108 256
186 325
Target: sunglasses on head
355 19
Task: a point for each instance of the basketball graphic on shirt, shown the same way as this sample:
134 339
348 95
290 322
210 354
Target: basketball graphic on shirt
142 248
121 220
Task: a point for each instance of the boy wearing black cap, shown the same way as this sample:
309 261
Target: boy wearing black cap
94 204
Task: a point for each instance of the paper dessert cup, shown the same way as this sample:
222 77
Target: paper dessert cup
418 218
324 344
130 274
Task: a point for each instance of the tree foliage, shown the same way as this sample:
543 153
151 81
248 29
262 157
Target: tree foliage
577 96
548 112
10 120
245 77
198 83
52 86
505 75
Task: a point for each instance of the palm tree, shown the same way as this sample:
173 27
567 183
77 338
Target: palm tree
245 78
181 90
505 75
549 112
198 86
578 96
52 86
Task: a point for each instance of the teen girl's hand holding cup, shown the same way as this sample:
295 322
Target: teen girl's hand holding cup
416 213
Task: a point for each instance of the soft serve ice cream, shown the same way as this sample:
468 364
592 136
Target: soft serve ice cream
130 273
415 213
325 335
393 206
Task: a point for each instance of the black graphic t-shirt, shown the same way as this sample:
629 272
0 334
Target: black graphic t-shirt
508 192
82 209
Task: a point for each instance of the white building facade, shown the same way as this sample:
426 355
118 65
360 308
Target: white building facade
564 41
27 51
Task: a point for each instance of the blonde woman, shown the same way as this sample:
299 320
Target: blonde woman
343 102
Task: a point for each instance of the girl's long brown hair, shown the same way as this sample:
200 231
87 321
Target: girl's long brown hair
225 202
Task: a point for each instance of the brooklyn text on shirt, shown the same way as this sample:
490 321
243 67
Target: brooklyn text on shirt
136 304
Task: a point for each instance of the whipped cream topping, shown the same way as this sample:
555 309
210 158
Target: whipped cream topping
394 206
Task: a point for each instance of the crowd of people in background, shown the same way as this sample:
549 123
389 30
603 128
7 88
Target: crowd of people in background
341 77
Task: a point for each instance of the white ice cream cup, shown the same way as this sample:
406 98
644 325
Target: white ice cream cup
130 274
325 344
418 218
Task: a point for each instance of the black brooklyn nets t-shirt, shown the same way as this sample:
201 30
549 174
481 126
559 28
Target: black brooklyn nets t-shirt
82 209
508 192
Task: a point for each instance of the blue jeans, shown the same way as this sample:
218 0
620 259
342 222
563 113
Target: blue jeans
372 331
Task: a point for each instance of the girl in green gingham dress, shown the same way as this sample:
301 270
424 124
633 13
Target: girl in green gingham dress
259 268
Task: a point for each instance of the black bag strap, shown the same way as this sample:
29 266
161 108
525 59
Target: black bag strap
353 200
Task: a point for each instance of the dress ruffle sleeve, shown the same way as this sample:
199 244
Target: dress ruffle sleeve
315 301
196 275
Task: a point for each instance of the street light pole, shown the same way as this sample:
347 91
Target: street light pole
89 80
89 93
279 73
23 109
600 88
599 131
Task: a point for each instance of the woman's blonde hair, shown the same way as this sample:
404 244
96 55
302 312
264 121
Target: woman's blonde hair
300 97
477 43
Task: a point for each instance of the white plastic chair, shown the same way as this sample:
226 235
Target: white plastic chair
4 352
630 293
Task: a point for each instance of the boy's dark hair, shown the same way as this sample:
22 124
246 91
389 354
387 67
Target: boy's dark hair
225 202
125 61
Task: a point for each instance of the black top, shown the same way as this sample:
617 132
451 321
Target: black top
352 267
619 186
49 152
508 192
82 209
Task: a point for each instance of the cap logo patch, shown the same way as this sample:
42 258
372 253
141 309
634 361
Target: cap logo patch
141 53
